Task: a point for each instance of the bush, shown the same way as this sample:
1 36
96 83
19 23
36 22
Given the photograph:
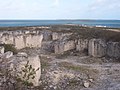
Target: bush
10 47
11 79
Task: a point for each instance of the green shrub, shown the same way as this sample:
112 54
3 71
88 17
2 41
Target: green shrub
27 73
10 47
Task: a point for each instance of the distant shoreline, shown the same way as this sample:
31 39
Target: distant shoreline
89 23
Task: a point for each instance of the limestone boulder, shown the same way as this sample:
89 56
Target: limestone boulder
7 54
18 62
2 49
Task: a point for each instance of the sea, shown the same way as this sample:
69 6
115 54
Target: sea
97 23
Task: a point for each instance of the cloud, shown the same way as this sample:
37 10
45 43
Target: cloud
56 3
104 4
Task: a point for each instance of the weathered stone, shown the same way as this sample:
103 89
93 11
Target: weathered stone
34 40
17 63
7 54
7 38
2 49
91 80
97 48
86 84
22 54
56 36
61 46
113 49
82 45
47 35
21 39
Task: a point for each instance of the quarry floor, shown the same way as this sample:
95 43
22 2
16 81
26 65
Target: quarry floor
77 72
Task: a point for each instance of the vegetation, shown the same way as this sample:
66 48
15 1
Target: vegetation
9 47
27 72
82 69
44 62
19 80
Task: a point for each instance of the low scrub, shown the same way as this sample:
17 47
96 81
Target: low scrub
9 47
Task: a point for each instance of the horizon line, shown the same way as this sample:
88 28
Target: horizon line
59 19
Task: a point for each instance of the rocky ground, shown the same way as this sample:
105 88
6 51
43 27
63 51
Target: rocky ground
77 71
70 68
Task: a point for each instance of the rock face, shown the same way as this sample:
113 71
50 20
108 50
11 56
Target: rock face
61 46
7 38
2 49
20 61
34 40
19 42
86 84
100 48
113 49
22 40
97 48
7 54
47 35
82 45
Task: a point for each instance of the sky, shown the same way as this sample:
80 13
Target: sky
59 9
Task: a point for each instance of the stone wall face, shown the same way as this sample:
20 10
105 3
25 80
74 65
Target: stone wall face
61 47
100 48
97 48
47 35
82 45
69 45
55 36
22 40
19 42
34 40
113 49
7 39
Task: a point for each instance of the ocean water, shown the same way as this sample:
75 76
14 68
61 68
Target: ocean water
99 23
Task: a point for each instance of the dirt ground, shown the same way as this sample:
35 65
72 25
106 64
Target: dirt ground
71 72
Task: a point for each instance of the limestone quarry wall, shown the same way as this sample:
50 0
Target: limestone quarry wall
100 48
113 49
22 40
82 45
19 42
7 39
33 40
47 35
94 47
97 48
61 47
